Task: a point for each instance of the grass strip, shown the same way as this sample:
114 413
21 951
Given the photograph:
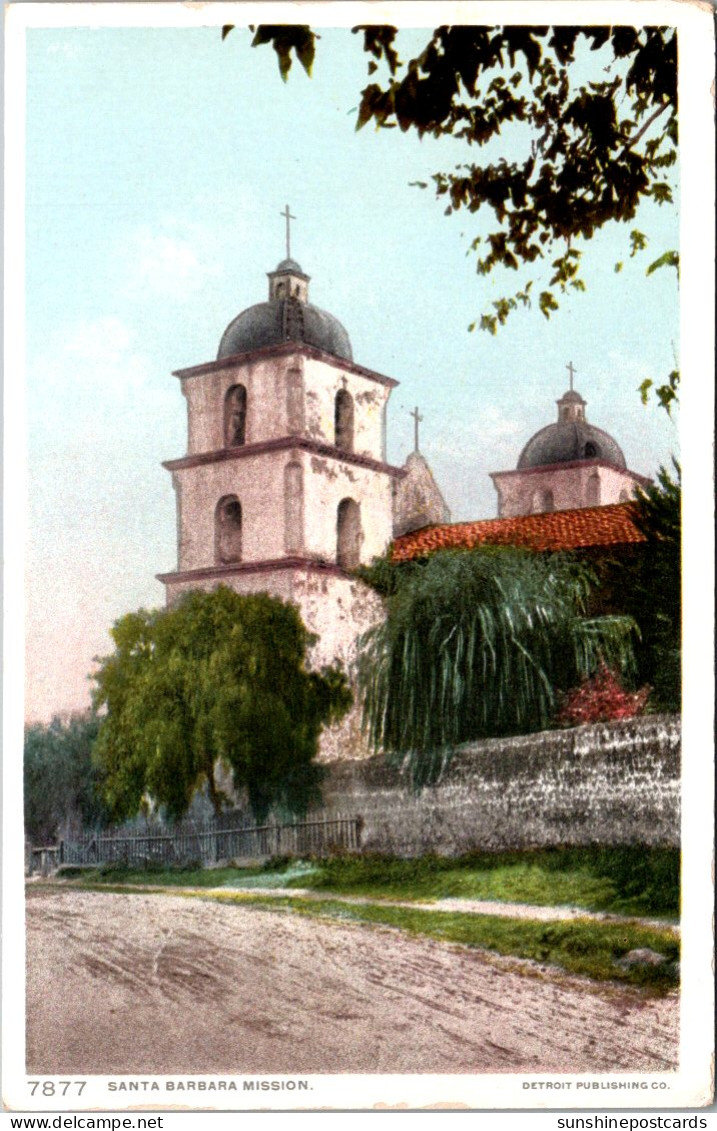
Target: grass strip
627 880
578 946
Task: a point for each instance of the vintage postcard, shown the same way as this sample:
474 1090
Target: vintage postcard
358 683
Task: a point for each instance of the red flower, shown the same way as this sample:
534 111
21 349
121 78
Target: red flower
600 699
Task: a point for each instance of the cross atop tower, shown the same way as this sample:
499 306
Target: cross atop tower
571 370
288 217
416 421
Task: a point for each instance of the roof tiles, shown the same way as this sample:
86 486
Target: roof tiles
552 531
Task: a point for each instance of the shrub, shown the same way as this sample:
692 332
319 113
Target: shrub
601 698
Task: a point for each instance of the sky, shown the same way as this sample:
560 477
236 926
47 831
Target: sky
158 162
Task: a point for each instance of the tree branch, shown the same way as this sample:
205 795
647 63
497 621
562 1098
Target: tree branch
633 141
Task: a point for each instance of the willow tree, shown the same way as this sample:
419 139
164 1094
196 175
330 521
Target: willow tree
218 681
478 644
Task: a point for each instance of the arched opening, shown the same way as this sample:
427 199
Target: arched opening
348 534
592 493
293 508
279 291
625 496
543 500
235 416
228 530
344 421
295 402
590 450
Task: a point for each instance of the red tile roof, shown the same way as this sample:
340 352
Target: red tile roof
555 530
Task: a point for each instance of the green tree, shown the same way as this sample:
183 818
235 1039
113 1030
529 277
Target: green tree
651 589
219 680
592 147
477 644
62 787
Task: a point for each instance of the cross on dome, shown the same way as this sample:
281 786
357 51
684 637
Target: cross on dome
571 370
288 217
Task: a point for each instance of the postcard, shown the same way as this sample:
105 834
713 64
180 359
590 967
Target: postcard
358 684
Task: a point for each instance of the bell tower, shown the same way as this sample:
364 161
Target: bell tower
284 487
567 465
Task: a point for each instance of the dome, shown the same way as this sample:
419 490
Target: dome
288 266
285 320
570 440
287 316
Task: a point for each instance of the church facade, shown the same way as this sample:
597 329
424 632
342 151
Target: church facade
285 487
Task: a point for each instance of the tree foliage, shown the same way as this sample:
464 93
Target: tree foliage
477 644
650 586
219 680
592 151
62 788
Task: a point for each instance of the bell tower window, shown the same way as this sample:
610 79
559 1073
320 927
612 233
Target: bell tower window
235 417
344 421
348 534
228 530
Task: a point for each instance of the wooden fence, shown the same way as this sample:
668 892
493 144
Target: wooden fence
44 861
209 845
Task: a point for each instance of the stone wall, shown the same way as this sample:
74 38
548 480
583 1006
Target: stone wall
613 783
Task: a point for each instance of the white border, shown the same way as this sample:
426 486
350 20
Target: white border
691 1086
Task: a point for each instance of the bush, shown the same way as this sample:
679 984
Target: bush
601 698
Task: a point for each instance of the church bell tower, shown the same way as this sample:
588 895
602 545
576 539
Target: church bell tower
284 487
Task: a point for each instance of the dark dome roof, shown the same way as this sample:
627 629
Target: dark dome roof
570 440
285 320
288 265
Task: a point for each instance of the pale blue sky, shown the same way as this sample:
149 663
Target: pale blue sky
157 165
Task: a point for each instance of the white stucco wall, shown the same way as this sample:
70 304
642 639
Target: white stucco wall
267 382
339 610
258 483
570 487
326 482
417 499
322 382
277 583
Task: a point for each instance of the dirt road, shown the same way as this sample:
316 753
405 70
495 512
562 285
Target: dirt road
142 984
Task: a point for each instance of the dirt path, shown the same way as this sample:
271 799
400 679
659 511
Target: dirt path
130 984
